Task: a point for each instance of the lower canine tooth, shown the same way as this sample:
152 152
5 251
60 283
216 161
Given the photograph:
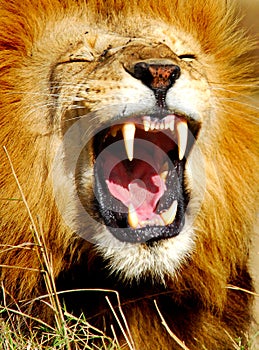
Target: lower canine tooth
132 217
169 215
128 132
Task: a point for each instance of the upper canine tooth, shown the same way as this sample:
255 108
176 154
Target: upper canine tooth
128 132
132 217
182 135
169 215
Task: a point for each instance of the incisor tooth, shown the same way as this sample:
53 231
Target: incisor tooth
162 125
171 125
128 132
146 124
182 135
169 215
152 125
132 217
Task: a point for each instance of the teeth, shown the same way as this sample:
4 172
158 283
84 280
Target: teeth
162 125
114 130
164 171
146 123
128 132
169 215
171 124
182 135
179 127
165 218
166 123
153 125
153 222
132 217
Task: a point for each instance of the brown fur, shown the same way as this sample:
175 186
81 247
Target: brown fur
197 306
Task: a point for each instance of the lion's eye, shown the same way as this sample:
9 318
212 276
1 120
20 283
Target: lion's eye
187 57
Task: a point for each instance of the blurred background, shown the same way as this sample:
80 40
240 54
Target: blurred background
251 12
250 9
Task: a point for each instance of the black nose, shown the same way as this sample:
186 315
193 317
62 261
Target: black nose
158 77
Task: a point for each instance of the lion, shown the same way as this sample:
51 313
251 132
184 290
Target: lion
130 143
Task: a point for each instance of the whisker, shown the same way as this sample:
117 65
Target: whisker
254 85
242 103
253 98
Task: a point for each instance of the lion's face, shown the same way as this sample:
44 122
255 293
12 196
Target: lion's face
131 111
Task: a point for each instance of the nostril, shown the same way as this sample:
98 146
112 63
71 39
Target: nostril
142 72
176 73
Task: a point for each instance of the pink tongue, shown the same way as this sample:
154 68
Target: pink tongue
139 185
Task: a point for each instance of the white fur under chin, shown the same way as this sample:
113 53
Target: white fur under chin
136 261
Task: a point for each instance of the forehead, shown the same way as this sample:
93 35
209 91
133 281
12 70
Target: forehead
103 36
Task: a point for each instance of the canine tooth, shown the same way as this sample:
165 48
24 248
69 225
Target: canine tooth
169 215
128 132
146 123
132 217
182 134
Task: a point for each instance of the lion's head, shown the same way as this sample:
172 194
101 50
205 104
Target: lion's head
129 148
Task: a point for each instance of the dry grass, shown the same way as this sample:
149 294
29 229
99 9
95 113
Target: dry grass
74 333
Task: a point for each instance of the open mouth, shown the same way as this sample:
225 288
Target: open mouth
139 176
